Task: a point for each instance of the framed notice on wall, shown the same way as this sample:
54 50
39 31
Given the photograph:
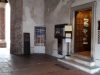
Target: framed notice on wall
68 28
68 31
40 36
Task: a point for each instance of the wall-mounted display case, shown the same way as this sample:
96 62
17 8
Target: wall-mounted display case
60 31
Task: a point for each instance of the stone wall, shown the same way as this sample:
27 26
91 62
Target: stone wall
25 15
2 23
16 26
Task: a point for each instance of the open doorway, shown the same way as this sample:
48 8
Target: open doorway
82 33
4 28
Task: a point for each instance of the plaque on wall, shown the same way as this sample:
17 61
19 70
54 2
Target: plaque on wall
68 28
68 35
68 31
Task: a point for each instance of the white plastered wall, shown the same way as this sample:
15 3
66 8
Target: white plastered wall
33 15
60 15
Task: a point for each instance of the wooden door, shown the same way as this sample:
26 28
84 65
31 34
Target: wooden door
82 40
26 43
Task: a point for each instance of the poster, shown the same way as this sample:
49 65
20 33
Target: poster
40 36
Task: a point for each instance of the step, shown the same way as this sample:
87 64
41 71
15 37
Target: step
82 67
81 61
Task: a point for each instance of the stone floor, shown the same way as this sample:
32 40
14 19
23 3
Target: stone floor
36 64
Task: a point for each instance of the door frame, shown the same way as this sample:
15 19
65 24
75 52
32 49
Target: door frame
93 27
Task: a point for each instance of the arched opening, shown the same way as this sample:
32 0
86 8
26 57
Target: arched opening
4 28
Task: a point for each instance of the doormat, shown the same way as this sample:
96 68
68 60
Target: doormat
61 66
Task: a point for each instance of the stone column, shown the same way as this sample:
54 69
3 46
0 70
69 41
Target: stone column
2 25
16 26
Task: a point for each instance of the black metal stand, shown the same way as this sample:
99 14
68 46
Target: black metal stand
60 46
